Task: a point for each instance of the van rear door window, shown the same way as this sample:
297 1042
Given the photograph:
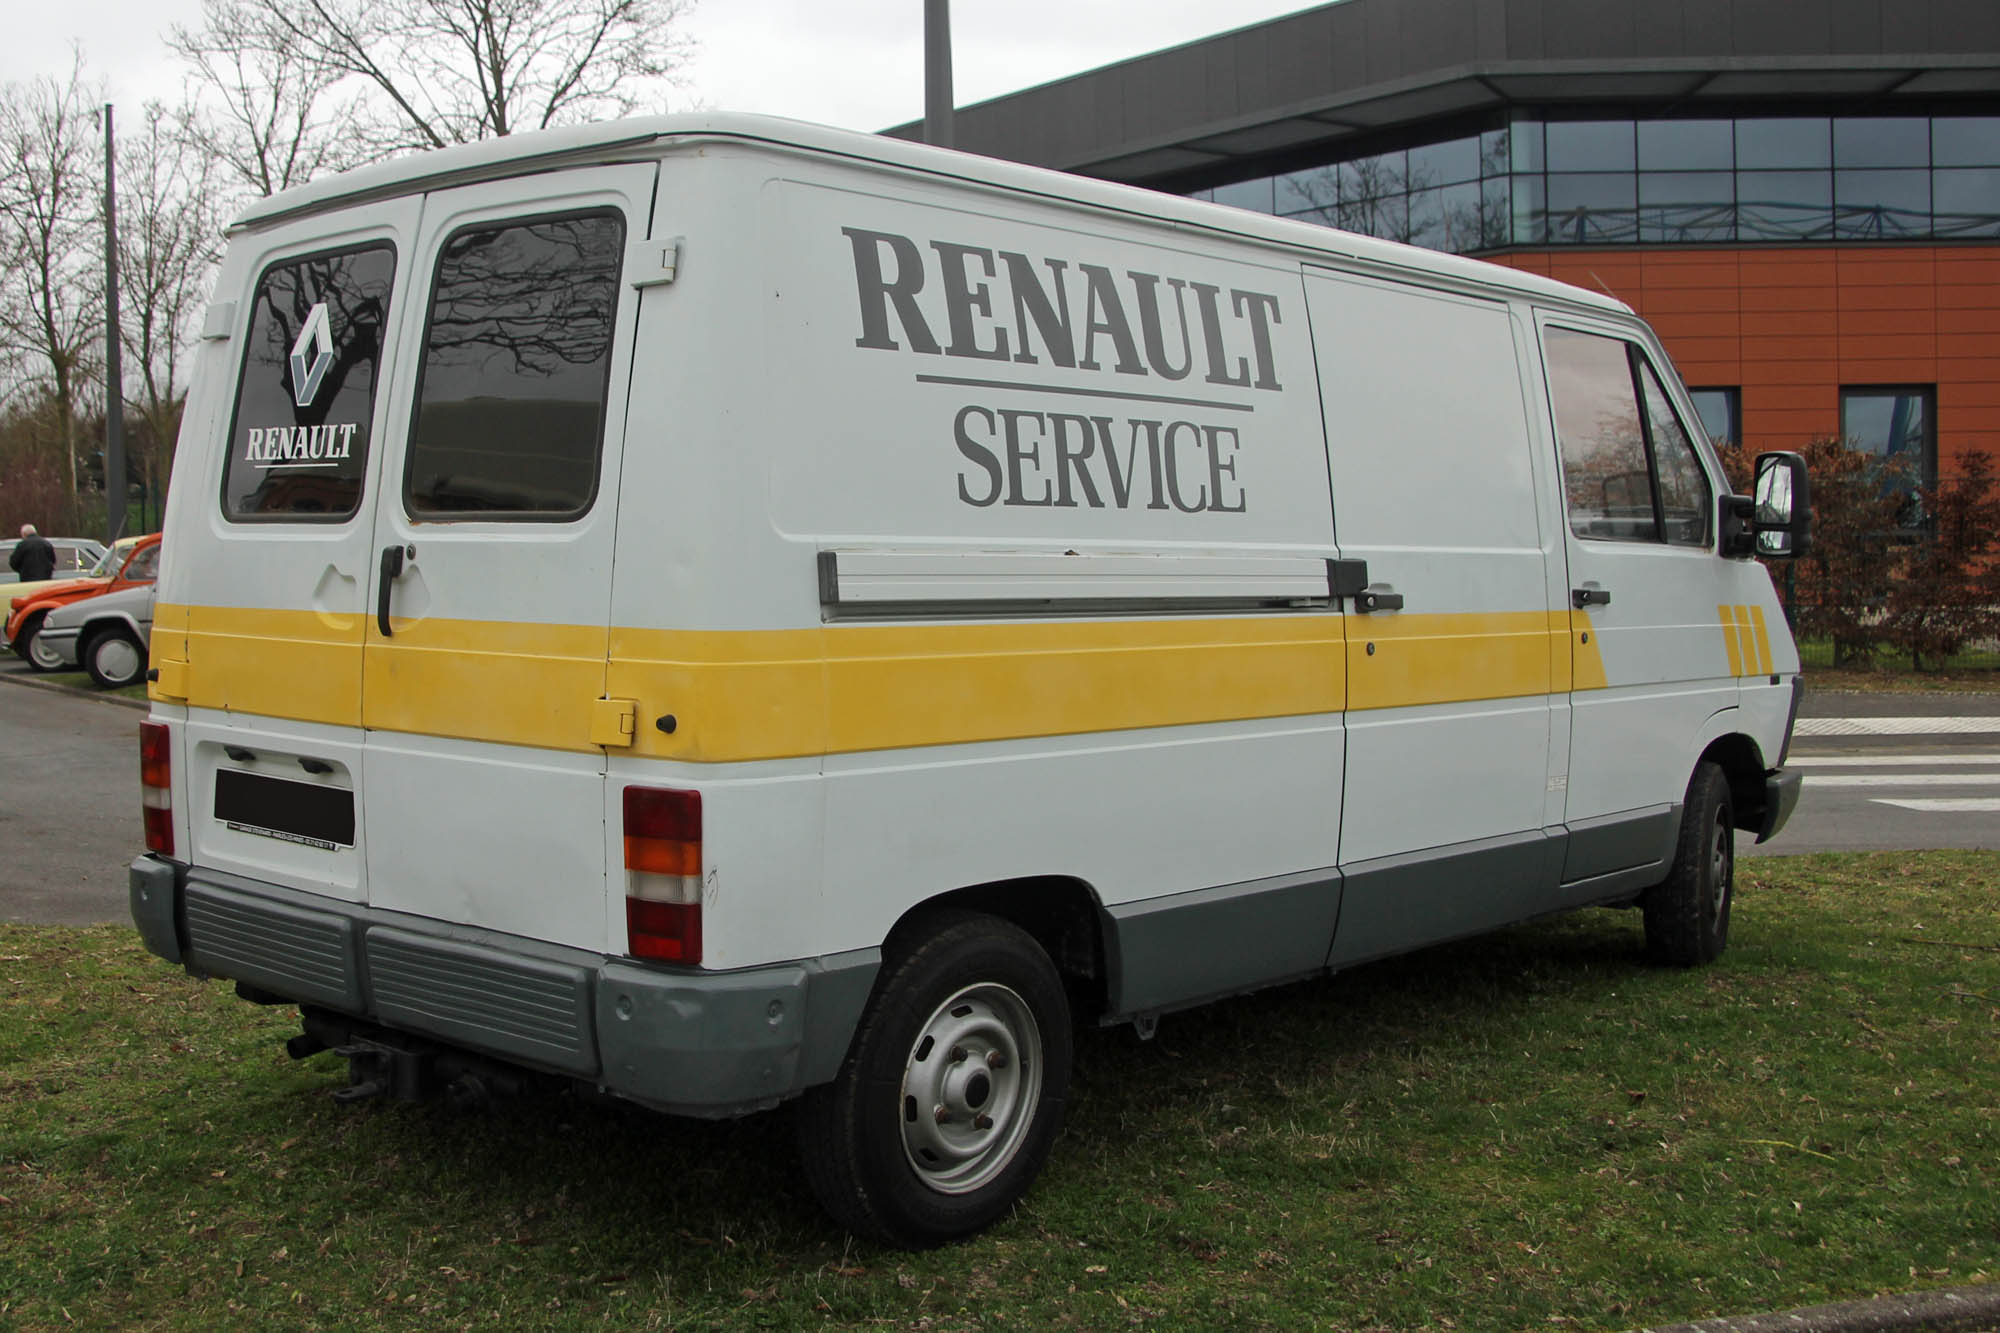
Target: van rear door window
516 369
298 446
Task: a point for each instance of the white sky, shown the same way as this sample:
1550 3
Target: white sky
852 63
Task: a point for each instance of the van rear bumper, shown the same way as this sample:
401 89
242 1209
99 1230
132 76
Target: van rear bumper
696 1043
1781 796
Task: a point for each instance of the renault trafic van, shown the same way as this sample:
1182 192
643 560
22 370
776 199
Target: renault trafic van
725 611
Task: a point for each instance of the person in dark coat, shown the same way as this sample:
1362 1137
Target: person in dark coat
33 559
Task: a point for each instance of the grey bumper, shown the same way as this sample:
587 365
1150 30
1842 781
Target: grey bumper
61 642
696 1043
1781 795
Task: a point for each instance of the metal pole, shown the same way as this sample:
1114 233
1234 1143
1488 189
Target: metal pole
937 73
114 375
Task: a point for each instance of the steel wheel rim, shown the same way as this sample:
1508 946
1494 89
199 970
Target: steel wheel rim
1719 858
970 1088
41 656
118 659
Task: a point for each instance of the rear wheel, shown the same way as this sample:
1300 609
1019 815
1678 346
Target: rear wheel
951 1095
113 656
1687 913
27 645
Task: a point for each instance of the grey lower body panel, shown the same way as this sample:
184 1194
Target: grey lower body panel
1168 953
698 1043
1398 903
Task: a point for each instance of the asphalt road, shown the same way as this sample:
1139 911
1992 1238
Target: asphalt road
1882 773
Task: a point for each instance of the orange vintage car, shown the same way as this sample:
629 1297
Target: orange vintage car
24 620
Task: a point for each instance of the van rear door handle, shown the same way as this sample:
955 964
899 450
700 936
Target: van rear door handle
1378 599
1590 596
392 569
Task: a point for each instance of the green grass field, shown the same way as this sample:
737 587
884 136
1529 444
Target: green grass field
1533 1130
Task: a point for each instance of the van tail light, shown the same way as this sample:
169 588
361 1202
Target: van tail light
663 874
156 787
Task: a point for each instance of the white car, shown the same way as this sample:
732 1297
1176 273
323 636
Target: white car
74 557
107 636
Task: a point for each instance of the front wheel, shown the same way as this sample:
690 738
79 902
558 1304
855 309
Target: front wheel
1687 913
113 657
28 645
951 1095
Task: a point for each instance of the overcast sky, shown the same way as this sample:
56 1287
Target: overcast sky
853 63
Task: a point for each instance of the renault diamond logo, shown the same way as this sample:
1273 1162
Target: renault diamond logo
312 356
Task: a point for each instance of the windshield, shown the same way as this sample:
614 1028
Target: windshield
107 564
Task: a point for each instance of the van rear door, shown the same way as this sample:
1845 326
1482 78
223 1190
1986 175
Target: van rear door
488 579
269 573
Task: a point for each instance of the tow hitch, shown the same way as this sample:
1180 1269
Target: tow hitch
389 1064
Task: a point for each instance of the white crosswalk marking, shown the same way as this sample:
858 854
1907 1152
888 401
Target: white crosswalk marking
1904 780
1890 760
1944 805
1895 726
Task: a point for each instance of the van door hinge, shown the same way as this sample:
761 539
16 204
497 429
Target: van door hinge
168 680
613 722
651 263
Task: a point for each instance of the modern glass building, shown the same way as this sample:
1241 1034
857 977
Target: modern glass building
1803 198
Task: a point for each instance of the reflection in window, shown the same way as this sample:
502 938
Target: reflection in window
1444 163
1965 141
516 368
1682 206
1721 413
1606 483
1784 205
1895 422
1966 202
1881 141
1590 145
300 451
1784 143
1687 145
1684 494
1593 209
1873 205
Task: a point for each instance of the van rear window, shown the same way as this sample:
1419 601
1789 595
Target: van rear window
516 369
298 445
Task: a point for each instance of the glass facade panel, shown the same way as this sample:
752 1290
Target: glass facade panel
1254 195
1374 177
1687 145
1797 142
1784 205
1595 209
1896 423
1444 163
1531 210
1870 205
1494 153
1315 187
1967 202
1495 212
1687 206
1590 145
1881 141
1388 218
1965 141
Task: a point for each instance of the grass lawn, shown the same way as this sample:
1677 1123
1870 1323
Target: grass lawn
1532 1130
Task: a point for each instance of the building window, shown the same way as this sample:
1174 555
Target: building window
1899 423
1721 412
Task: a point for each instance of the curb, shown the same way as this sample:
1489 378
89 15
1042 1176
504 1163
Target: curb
1967 1309
15 678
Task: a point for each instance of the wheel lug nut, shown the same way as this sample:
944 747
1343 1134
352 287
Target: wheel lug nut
943 1116
996 1060
982 1122
958 1055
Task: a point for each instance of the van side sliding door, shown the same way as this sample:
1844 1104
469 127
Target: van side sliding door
1450 669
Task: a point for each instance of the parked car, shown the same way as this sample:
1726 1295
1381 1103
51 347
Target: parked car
105 635
74 556
140 565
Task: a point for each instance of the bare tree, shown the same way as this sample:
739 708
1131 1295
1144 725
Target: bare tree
51 292
168 245
258 109
438 72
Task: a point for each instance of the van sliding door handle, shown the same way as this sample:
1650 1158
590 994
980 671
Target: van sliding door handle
1378 599
392 569
1590 596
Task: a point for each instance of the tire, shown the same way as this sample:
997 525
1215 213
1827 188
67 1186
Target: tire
952 1092
1687 913
114 657
27 648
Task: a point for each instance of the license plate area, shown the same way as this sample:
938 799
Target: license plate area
307 813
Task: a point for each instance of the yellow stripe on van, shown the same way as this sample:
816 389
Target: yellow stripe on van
1731 643
1763 637
765 694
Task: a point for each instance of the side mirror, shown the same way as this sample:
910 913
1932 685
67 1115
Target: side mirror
1782 519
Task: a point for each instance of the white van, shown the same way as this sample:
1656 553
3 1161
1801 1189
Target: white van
721 611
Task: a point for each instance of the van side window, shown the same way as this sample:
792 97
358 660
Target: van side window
1630 472
516 369
1608 486
305 401
1684 495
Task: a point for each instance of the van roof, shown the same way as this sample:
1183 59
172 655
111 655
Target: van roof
652 136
